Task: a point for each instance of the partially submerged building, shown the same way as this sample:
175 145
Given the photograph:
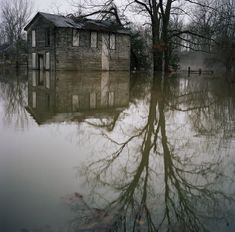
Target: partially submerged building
57 42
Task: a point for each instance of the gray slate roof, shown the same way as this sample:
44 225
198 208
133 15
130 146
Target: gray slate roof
80 23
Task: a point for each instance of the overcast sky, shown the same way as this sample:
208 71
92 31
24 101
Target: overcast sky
51 5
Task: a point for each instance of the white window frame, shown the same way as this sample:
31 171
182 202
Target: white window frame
34 60
76 38
94 39
33 38
47 60
112 41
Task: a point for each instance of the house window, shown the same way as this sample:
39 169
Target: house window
93 39
33 39
75 38
47 37
47 60
112 41
34 60
40 62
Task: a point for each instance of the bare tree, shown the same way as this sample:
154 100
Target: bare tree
225 34
15 15
158 15
216 26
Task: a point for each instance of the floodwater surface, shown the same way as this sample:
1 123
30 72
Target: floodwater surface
116 152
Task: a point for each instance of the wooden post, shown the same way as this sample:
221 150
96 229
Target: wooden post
200 71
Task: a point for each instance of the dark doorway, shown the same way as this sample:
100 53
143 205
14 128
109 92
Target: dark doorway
40 62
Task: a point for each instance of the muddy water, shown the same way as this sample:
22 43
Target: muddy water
116 152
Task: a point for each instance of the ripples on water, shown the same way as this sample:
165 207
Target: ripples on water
116 152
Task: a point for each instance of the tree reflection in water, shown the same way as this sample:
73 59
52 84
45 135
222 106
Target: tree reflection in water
13 90
158 181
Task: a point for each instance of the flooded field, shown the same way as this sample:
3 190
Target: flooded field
116 152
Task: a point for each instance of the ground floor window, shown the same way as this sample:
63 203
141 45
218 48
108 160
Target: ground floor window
47 60
33 60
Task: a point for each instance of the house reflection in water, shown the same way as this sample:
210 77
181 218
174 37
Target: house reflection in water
73 96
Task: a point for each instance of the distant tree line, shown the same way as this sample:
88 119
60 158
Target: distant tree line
216 25
14 15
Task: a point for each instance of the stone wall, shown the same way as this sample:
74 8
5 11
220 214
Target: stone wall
84 57
41 26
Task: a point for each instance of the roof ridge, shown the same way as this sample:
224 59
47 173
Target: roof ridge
58 15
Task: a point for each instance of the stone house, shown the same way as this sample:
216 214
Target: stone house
57 42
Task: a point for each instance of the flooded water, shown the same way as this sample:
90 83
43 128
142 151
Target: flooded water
116 152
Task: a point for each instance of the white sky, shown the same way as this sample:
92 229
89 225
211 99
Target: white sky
51 6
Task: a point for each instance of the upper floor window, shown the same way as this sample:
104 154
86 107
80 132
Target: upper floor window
75 38
93 39
112 41
47 37
33 38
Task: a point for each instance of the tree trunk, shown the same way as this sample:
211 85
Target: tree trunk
157 53
165 39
